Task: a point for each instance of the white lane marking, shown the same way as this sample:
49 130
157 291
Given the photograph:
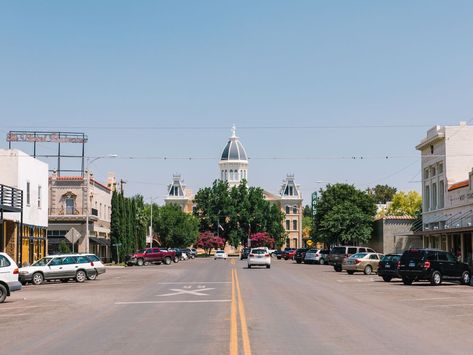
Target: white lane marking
450 305
159 302
426 299
194 282
14 315
178 291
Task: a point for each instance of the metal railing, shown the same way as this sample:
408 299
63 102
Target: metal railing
11 199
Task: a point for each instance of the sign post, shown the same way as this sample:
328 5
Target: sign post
118 255
73 236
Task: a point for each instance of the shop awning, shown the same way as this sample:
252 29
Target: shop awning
100 241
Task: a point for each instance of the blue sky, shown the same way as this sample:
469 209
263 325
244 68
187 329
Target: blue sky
297 77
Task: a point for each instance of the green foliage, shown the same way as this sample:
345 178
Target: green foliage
64 247
176 228
307 226
307 211
128 224
344 215
382 194
405 204
240 211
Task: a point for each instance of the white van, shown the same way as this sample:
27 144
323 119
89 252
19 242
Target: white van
8 276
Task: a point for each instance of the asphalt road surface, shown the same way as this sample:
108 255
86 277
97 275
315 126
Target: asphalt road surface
207 306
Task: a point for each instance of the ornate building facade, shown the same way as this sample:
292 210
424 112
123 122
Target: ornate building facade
233 168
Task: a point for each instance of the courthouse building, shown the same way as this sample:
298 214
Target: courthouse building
233 168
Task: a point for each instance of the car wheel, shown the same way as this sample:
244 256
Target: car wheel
268 266
176 259
249 266
368 269
350 272
465 278
37 279
436 278
167 260
299 261
92 276
322 262
338 268
81 276
278 257
140 262
407 281
387 278
3 293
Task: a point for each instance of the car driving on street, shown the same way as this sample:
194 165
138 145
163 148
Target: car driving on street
220 254
259 257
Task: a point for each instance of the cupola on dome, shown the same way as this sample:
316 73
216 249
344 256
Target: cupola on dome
234 149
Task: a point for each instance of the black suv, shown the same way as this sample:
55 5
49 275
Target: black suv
432 265
388 267
300 255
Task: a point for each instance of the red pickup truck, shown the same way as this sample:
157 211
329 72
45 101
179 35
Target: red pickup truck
151 255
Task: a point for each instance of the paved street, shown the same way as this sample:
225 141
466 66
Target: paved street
221 307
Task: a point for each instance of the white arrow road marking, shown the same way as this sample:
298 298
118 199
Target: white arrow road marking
178 291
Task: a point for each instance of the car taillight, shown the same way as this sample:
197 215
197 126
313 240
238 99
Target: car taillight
357 261
91 263
252 254
15 272
398 265
266 254
427 265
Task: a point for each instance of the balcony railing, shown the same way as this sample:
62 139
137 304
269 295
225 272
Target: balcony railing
11 199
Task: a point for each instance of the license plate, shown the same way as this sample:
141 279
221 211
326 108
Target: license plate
412 264
387 266
260 256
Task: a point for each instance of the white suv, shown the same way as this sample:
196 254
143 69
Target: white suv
8 276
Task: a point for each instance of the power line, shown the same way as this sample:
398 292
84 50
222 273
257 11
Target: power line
201 128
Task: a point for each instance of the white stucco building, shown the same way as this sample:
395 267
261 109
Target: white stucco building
23 172
447 196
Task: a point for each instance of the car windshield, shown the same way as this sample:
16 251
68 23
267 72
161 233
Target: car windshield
391 258
338 250
42 262
312 251
358 256
258 251
219 251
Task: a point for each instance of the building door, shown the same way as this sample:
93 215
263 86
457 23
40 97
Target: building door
467 248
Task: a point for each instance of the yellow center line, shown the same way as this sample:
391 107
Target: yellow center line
233 321
244 325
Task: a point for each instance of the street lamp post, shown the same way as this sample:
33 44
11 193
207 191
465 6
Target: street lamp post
151 223
87 183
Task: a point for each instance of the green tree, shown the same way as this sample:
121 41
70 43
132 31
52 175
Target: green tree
177 228
344 215
64 247
307 211
405 204
382 194
239 211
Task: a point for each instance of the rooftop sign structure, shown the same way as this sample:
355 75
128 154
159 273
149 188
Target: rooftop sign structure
58 138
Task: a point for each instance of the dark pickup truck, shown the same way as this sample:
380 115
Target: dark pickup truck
151 255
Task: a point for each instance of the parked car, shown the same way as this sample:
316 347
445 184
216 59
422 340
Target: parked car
151 255
244 253
362 262
8 276
58 267
300 255
340 253
388 267
313 256
432 265
220 254
190 253
278 254
259 257
288 253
